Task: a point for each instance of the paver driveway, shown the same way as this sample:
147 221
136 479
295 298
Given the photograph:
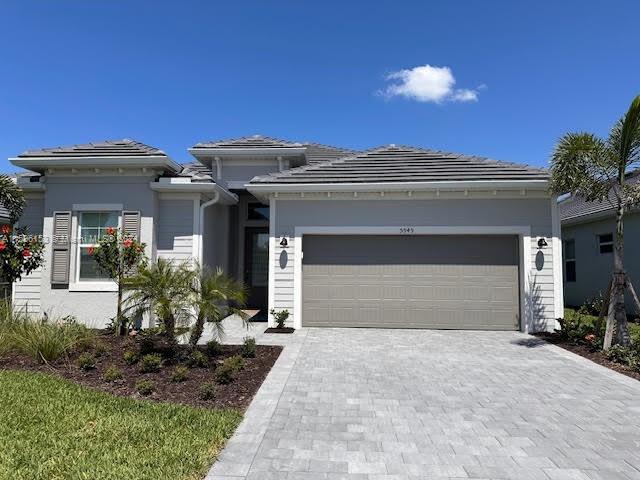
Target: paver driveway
407 404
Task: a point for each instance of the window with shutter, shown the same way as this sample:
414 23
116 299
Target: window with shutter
61 248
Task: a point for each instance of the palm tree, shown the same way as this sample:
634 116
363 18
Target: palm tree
215 295
596 169
163 289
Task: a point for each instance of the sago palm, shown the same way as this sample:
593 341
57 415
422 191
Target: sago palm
215 295
163 289
596 169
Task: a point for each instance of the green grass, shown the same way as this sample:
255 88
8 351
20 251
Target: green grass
53 429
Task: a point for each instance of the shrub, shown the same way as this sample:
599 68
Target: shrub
576 326
619 354
146 344
150 363
249 347
45 341
197 359
280 317
634 333
207 391
145 387
86 361
237 362
213 348
112 373
228 371
130 357
100 348
179 374
593 305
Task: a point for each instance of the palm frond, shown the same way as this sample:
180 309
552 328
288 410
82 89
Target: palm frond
11 197
625 136
582 164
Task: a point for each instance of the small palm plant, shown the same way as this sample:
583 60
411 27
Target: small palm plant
215 295
163 289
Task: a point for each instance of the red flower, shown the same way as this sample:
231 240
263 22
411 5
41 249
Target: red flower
590 338
127 243
111 230
91 250
3 245
5 229
26 253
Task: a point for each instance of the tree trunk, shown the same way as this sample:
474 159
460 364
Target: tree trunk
196 331
617 308
122 327
170 328
634 295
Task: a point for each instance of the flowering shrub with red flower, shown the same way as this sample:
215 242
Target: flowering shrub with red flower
590 338
120 257
20 253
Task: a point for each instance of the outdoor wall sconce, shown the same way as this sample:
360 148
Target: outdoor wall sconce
284 243
542 242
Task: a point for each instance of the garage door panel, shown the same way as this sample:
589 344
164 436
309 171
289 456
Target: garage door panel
411 281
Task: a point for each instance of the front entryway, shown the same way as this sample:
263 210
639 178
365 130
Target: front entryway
407 281
256 263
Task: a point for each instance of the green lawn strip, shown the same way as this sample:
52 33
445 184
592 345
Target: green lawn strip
53 429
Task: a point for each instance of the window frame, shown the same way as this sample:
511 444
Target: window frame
568 260
99 285
601 244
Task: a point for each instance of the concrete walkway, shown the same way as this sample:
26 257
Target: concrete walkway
367 404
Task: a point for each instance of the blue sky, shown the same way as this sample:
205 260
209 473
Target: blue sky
345 73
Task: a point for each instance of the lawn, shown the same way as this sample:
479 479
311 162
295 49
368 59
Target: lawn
53 429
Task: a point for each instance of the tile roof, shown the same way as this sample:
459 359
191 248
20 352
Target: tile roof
404 164
573 208
317 153
108 148
254 141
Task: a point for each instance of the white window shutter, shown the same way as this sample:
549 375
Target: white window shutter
61 248
131 224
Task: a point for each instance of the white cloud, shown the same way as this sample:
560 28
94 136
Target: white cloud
428 84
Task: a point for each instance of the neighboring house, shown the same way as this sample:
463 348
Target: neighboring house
392 237
588 233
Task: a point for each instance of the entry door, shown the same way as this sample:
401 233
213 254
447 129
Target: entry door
256 262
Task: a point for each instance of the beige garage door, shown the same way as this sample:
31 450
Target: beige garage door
437 281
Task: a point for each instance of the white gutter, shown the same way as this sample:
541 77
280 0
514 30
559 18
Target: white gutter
216 197
396 186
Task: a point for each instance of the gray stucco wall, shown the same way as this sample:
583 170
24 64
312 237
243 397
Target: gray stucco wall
244 173
533 212
215 237
593 269
174 229
94 308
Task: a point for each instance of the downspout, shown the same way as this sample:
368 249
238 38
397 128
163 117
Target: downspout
214 200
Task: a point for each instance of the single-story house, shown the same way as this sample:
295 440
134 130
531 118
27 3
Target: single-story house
588 233
390 237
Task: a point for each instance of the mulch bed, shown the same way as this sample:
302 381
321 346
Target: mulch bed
280 330
237 394
587 352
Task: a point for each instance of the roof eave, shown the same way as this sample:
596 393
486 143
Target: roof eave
226 196
399 186
247 151
40 164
